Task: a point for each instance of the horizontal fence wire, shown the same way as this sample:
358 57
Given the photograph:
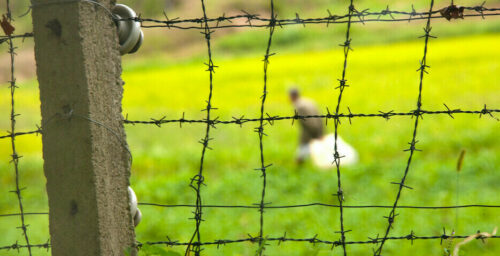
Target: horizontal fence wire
254 20
247 20
313 240
363 16
16 246
294 206
272 118
325 205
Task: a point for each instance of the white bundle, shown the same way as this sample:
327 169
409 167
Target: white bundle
322 152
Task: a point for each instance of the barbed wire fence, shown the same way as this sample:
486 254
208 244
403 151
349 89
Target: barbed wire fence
208 26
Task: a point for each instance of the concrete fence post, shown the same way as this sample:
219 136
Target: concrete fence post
86 158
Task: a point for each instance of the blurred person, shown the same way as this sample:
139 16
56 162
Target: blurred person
312 141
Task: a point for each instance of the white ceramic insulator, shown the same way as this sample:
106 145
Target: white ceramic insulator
129 30
134 211
137 217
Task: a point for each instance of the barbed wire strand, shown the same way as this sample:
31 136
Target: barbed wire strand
422 69
198 179
340 194
271 118
260 130
15 156
313 240
284 22
364 16
281 23
17 246
10 135
170 23
4 39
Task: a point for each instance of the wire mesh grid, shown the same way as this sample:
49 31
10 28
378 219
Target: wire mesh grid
207 26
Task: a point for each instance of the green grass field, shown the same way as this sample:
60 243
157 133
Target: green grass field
463 74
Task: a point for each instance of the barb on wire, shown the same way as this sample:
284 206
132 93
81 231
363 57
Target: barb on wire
422 69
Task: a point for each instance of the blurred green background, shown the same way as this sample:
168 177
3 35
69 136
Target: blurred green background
167 78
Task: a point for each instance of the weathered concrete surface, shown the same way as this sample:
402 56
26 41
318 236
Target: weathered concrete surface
85 158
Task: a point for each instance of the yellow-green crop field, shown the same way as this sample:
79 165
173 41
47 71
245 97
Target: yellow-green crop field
463 74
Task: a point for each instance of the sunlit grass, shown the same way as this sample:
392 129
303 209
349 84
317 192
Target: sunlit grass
463 75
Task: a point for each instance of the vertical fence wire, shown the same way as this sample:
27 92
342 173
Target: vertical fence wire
15 156
417 113
260 130
340 195
198 179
